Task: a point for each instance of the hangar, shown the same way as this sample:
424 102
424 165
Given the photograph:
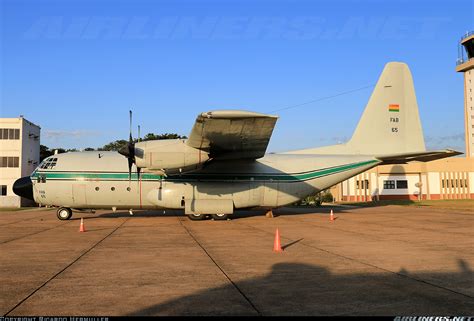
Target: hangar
441 179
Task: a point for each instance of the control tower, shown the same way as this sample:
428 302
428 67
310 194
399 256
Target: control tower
465 64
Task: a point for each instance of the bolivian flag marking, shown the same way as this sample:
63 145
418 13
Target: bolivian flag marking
394 107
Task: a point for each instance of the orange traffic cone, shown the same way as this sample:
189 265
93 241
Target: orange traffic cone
277 244
332 216
82 228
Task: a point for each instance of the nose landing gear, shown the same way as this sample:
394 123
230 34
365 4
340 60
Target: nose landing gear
64 213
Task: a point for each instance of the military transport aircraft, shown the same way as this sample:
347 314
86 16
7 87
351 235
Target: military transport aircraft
222 166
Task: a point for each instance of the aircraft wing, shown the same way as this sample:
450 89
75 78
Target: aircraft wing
420 156
232 134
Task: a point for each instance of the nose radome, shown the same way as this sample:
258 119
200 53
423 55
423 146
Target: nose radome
24 187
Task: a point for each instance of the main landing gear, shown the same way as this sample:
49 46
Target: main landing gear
64 213
200 217
220 217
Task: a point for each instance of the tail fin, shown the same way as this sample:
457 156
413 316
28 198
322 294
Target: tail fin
390 127
390 122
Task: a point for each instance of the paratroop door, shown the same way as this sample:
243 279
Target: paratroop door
79 194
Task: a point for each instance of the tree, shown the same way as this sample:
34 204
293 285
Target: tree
112 146
316 200
115 146
151 136
45 152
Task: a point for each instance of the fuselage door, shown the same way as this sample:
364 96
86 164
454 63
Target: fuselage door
79 194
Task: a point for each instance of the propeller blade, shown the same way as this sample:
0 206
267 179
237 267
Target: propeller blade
129 151
130 163
130 138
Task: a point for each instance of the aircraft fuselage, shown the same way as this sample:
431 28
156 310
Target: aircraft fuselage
101 180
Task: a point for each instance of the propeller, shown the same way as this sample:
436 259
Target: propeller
129 152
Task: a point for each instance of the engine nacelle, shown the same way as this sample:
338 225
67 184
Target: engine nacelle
170 156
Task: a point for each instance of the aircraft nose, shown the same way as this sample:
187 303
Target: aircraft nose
24 187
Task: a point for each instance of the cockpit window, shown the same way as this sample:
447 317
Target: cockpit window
48 163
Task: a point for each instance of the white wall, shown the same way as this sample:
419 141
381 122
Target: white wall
27 149
411 190
433 178
471 182
30 148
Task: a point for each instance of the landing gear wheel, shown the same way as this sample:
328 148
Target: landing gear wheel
64 213
220 217
196 217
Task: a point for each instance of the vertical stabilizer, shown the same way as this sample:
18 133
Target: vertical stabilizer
390 122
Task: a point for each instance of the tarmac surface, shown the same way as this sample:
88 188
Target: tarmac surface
388 260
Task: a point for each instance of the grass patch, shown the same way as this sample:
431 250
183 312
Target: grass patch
464 205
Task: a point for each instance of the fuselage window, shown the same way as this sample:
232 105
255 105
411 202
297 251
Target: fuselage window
128 189
112 189
48 163
97 188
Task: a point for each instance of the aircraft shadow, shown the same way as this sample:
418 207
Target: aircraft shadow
302 289
239 214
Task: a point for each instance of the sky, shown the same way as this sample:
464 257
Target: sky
75 68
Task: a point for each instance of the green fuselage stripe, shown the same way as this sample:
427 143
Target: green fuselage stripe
96 176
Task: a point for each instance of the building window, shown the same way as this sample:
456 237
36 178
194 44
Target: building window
362 184
403 184
9 133
7 161
3 190
389 184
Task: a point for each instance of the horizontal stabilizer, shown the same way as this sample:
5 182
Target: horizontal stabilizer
419 157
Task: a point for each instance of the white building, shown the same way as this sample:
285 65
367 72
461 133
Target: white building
450 178
19 156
